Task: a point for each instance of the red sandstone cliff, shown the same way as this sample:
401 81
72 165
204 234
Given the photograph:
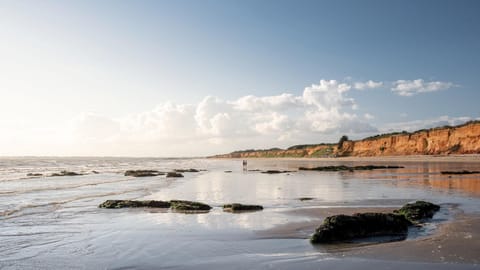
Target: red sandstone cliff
463 139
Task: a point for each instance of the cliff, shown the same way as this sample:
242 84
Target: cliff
462 139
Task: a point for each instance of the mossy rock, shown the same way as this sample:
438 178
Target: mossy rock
174 174
134 204
66 173
348 168
179 205
340 228
186 170
418 211
237 207
143 173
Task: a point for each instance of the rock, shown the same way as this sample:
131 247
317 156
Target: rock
344 228
227 171
275 171
237 207
143 173
132 204
460 172
174 174
186 170
65 173
34 174
305 199
95 172
418 211
180 205
348 168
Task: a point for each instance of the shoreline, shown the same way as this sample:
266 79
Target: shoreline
407 158
456 240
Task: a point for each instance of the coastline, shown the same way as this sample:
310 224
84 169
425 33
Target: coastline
453 241
405 158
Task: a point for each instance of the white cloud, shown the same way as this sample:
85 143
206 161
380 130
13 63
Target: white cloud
367 85
413 87
214 125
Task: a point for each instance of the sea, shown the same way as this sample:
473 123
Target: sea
55 222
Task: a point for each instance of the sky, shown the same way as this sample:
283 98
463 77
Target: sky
195 78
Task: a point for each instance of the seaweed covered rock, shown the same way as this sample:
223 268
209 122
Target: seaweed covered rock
132 204
237 207
418 211
460 172
66 173
275 172
343 227
180 205
143 173
174 174
348 168
186 170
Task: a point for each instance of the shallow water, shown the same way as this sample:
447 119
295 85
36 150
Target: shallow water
54 222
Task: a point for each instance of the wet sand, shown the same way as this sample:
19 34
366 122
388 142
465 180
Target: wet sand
453 241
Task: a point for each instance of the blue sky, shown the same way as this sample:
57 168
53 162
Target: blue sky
170 78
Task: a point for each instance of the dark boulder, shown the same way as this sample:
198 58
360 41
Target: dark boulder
179 205
275 171
174 174
186 170
65 173
343 227
34 174
305 199
133 204
418 211
237 207
460 172
143 173
348 168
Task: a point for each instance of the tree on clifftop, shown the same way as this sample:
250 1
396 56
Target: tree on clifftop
341 141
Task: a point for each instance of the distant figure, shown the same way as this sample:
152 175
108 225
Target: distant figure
244 165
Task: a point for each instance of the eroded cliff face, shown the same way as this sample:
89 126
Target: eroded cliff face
463 139
439 141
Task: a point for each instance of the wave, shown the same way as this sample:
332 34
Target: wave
8 214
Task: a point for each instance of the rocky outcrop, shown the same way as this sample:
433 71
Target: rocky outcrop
462 139
348 168
143 173
179 205
134 204
66 173
237 207
418 211
174 174
460 172
343 227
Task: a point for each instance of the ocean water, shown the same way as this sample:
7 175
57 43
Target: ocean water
55 222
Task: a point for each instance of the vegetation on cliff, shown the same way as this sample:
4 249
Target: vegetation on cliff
445 140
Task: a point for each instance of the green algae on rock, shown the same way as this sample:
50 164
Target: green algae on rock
174 174
180 205
348 168
418 211
344 228
143 173
237 207
134 204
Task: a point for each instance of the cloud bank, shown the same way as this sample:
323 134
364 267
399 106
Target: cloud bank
320 113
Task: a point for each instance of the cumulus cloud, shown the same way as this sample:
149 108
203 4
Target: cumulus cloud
215 125
413 87
367 85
